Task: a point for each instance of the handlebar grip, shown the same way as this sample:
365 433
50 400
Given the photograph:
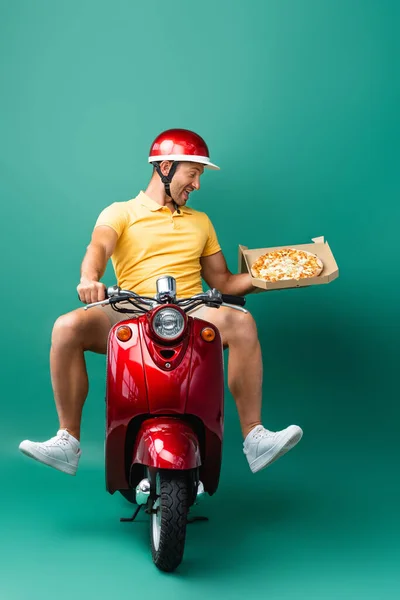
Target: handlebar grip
106 296
239 300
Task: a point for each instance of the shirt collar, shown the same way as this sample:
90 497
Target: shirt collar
152 205
148 202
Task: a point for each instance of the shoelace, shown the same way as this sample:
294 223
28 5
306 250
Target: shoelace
262 433
59 440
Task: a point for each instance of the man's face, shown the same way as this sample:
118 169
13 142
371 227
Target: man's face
185 180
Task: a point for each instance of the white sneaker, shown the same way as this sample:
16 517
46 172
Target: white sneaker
262 446
61 452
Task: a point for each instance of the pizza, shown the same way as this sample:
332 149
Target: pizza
286 263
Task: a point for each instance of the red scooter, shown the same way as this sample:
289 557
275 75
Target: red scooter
165 408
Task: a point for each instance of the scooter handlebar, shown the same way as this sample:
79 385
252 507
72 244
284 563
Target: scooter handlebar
114 294
228 298
238 300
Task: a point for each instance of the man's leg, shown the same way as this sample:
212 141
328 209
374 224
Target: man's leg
73 334
239 333
245 369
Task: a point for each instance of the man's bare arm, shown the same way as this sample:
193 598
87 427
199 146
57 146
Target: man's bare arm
101 247
216 274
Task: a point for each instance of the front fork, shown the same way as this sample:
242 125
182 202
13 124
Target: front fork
146 494
146 489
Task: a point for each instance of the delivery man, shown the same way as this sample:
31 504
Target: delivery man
151 235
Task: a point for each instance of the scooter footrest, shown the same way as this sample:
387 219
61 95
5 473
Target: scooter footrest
132 518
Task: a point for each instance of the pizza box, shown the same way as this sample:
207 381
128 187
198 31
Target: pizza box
318 246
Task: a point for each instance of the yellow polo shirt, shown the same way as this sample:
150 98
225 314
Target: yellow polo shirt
153 242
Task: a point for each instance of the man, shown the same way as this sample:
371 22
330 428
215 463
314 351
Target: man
149 236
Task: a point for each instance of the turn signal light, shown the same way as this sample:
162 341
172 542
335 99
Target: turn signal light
208 334
124 333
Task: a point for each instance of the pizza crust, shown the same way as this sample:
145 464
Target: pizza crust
286 264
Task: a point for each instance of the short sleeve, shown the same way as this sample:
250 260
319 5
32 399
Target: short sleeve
114 216
212 246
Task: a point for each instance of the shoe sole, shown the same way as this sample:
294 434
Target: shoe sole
292 437
60 465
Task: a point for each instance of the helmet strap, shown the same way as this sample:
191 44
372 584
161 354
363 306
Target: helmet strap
166 179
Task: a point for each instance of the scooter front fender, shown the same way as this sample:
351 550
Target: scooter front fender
167 443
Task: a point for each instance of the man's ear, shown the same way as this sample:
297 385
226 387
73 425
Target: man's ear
165 166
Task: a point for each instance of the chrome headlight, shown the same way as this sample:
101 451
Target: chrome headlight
168 323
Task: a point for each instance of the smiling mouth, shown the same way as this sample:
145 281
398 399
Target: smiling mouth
186 194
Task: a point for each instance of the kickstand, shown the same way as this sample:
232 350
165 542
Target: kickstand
130 519
194 519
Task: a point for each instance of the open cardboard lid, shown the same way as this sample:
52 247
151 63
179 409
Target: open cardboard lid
319 247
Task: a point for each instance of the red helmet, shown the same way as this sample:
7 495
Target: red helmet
180 145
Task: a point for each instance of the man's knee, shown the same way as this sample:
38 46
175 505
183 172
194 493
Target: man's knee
235 326
88 330
67 326
242 327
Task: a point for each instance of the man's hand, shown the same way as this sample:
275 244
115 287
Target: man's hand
91 291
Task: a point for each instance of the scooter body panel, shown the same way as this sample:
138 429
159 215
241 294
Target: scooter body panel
140 386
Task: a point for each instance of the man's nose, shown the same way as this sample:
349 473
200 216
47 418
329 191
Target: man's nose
196 184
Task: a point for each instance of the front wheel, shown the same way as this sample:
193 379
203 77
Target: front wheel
169 518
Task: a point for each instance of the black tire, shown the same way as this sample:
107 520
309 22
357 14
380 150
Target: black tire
168 524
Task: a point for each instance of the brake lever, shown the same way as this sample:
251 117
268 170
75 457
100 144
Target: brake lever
101 303
235 307
111 298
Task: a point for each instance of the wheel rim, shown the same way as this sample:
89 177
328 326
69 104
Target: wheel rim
156 517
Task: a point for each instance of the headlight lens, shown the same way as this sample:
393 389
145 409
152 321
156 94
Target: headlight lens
168 323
